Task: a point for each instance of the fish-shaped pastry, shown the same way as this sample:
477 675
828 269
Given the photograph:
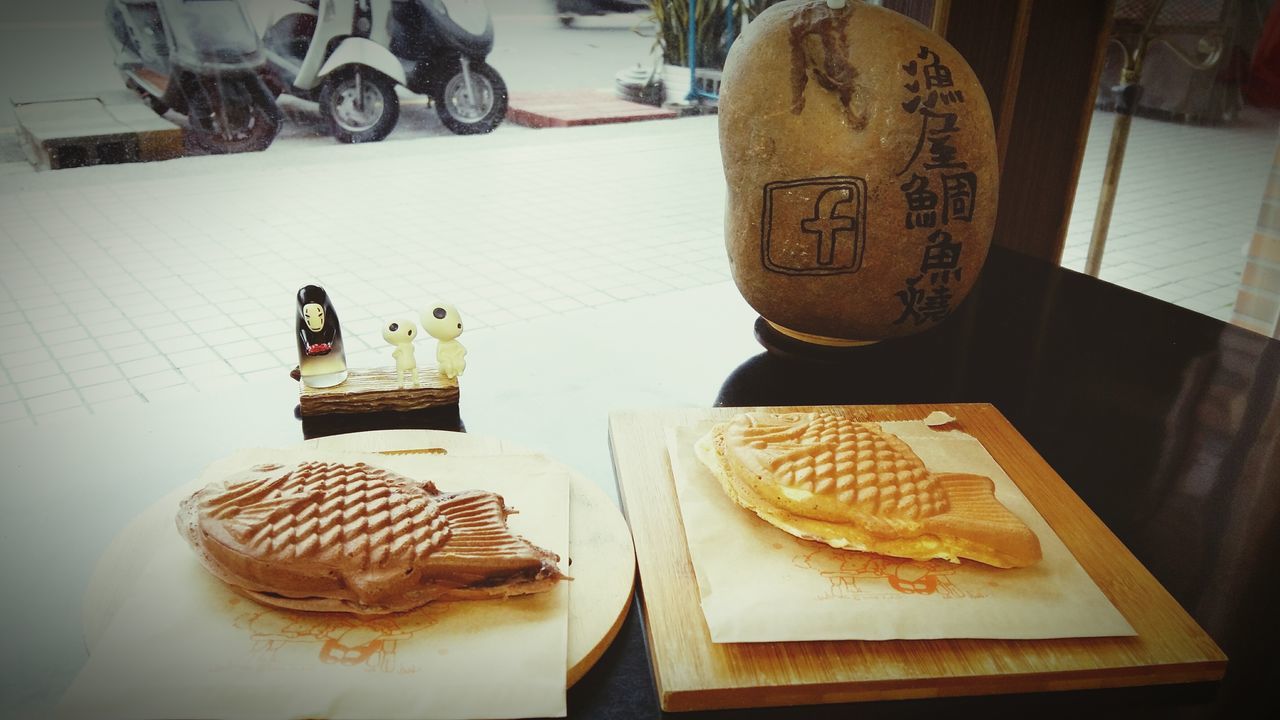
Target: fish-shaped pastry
337 537
854 486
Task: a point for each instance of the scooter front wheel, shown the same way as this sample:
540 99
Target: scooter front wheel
360 105
473 112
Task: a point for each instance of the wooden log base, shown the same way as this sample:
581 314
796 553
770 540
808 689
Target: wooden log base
379 390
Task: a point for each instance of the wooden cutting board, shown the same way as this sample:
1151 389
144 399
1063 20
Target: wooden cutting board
692 673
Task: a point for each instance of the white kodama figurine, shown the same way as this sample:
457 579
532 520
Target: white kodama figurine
444 323
400 334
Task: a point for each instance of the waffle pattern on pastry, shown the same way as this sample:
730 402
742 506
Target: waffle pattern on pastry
325 512
852 485
357 538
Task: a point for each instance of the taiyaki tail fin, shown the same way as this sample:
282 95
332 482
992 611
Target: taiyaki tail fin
987 529
482 557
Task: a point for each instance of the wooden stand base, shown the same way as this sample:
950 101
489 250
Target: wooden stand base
379 390
790 344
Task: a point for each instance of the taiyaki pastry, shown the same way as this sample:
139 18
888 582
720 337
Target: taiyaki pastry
351 537
854 486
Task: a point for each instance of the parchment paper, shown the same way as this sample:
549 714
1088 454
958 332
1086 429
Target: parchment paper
184 645
760 584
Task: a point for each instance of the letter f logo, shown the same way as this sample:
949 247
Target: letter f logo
814 226
827 221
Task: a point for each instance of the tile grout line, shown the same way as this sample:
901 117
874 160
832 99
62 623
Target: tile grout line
89 331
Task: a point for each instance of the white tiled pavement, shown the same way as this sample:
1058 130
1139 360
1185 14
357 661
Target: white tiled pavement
132 284
1185 210
137 283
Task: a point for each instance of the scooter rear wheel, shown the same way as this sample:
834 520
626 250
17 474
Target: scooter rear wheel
237 123
472 116
252 133
360 105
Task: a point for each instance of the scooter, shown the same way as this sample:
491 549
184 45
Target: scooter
201 58
351 55
568 10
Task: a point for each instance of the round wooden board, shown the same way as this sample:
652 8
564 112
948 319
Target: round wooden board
601 559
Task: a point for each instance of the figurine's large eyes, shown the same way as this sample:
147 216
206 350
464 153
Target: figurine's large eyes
410 333
459 326
394 327
439 313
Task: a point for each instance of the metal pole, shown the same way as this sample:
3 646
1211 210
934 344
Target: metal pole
1126 102
694 93
728 23
1127 94
693 51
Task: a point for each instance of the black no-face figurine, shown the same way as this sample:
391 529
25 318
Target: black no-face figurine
321 360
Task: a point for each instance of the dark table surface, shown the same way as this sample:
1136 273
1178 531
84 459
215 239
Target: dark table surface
1166 423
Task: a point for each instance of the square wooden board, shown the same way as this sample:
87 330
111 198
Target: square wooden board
693 673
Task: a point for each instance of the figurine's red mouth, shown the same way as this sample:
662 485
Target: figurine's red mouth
319 348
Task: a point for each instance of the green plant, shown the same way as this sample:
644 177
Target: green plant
711 20
753 8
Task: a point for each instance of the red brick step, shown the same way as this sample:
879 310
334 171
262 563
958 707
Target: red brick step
578 107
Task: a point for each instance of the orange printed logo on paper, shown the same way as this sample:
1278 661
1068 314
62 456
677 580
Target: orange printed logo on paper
302 639
853 574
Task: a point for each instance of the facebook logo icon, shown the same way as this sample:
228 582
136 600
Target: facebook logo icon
814 226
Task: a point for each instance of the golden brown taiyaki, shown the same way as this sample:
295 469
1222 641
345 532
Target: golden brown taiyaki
854 486
328 536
